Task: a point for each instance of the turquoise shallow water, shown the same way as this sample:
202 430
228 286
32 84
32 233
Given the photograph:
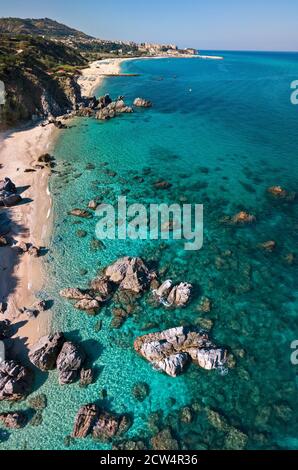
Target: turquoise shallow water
221 133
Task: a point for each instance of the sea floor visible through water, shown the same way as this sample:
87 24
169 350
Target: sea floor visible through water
221 132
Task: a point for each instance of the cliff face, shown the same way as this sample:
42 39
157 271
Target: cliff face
40 79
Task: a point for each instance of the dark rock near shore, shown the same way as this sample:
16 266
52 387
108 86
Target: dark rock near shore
44 354
13 420
15 381
69 363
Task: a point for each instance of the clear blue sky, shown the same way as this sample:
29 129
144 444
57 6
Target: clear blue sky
205 24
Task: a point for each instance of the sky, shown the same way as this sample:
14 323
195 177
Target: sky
204 24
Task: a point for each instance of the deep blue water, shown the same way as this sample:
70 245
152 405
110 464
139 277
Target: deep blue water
221 132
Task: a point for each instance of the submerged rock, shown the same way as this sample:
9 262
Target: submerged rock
44 354
277 192
268 246
243 218
69 363
13 420
171 350
140 391
76 294
15 381
80 213
164 441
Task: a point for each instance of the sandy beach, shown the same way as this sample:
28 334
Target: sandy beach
93 76
22 276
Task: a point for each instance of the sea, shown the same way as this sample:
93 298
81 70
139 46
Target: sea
221 132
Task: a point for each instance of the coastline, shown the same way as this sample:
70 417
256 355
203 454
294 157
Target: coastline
93 76
23 275
19 150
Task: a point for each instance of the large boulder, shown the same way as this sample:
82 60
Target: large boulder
69 363
7 185
85 420
173 296
15 381
45 352
171 350
130 274
13 420
142 103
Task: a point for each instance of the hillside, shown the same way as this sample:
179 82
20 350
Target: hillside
39 27
39 77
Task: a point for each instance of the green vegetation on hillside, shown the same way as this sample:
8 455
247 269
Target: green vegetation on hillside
28 68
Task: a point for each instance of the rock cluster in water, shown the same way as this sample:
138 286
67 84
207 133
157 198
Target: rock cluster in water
104 108
103 426
125 280
53 351
172 350
15 381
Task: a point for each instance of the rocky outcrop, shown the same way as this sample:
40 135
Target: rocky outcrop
171 350
130 274
103 425
15 381
86 300
279 193
69 363
142 103
8 193
44 354
13 420
113 109
173 296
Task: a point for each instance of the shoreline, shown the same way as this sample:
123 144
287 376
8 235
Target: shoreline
93 76
23 275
